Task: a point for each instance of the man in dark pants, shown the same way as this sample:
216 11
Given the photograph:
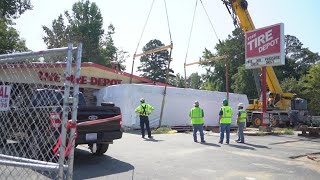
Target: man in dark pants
196 114
144 111
241 121
225 118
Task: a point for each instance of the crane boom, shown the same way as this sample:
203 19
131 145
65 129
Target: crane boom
281 106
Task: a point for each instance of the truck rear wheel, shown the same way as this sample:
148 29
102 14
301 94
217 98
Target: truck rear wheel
101 149
256 121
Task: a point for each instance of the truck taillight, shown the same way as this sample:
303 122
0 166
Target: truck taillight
120 121
55 119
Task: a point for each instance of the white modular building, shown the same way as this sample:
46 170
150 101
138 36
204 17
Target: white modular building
178 103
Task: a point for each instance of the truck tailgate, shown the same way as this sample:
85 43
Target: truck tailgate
98 119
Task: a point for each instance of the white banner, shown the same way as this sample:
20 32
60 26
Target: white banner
4 97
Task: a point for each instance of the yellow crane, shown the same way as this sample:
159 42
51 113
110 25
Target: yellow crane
283 107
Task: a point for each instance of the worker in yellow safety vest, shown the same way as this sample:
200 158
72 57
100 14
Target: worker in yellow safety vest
144 111
241 121
196 115
225 119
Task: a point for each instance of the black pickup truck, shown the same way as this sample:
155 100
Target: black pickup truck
41 119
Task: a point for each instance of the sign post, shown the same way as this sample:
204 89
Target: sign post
265 47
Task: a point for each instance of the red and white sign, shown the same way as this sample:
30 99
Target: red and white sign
265 47
4 97
95 81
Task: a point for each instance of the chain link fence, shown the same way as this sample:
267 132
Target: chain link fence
38 113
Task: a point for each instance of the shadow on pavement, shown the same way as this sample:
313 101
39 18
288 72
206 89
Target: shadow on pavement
87 165
241 147
257 145
135 132
153 140
211 144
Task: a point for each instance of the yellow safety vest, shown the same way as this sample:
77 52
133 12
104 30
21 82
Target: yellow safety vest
226 116
243 116
196 114
144 109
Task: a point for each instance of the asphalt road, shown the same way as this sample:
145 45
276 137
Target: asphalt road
176 156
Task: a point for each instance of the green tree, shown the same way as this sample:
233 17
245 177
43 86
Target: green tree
297 59
177 81
60 34
110 53
154 65
85 24
243 83
10 41
233 47
311 88
13 8
194 81
292 85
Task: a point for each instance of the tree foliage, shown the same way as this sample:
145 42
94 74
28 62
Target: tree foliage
194 81
243 83
297 60
310 88
10 41
154 65
13 8
177 81
85 24
233 47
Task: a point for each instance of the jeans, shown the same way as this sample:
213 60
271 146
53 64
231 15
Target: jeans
224 127
196 128
240 131
145 120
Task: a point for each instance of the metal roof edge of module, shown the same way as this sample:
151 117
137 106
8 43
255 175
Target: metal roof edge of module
83 64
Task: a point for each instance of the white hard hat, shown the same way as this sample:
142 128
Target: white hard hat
142 100
196 103
240 105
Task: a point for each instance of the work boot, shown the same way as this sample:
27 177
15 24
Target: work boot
195 141
237 140
220 142
203 141
150 137
240 141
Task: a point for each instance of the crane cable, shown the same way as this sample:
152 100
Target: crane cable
185 59
165 4
144 27
210 22
168 69
134 55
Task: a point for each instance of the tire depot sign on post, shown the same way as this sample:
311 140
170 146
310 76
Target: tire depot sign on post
265 47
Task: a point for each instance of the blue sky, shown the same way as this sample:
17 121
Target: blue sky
300 18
